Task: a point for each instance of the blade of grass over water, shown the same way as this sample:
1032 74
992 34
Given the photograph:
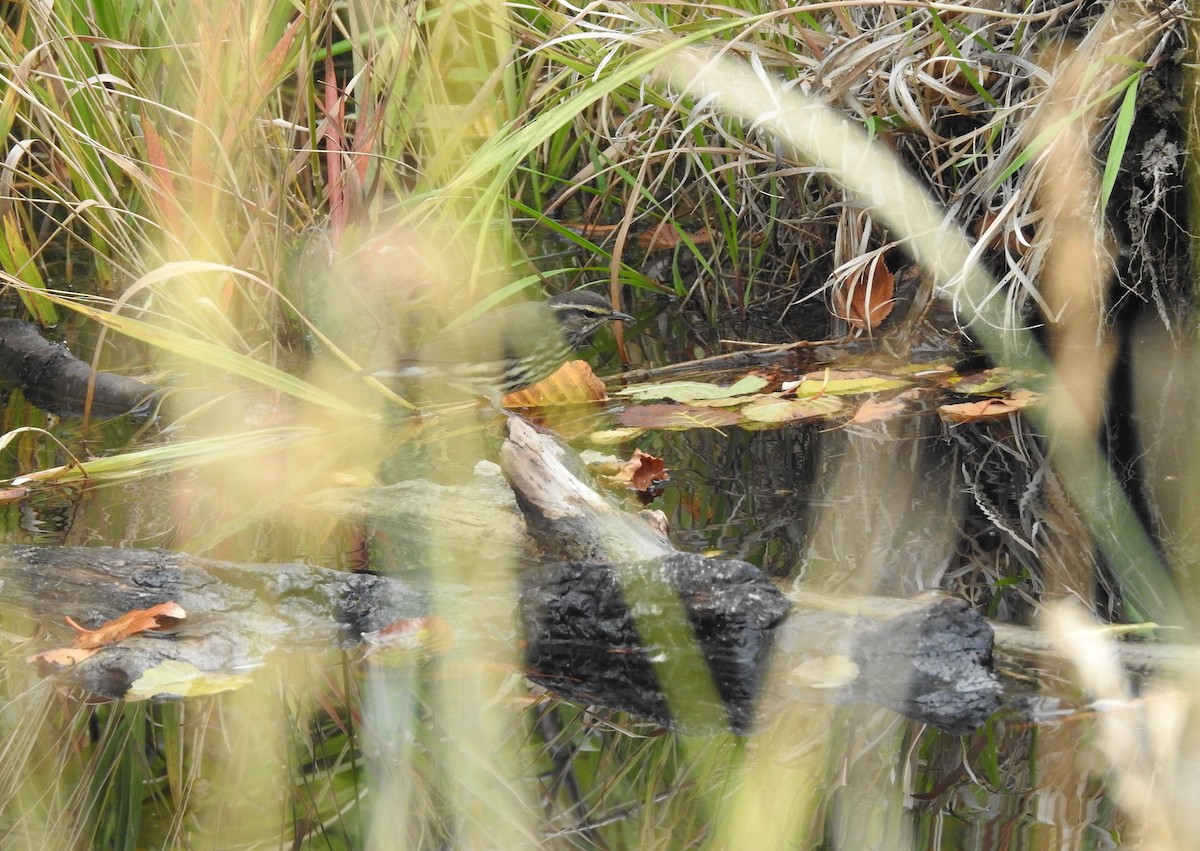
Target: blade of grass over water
211 354
178 455
215 355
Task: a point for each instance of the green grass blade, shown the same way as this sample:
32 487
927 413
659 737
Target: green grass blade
20 263
211 355
1120 139
170 457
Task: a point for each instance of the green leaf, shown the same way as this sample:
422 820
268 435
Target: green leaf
688 391
1116 149
848 386
1043 139
172 678
775 409
20 265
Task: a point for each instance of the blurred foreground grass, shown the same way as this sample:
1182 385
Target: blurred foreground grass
260 197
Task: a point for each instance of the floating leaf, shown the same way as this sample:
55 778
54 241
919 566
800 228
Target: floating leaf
574 383
677 417
924 370
776 409
727 402
989 409
834 383
641 472
689 391
51 661
876 410
176 679
613 436
131 623
987 381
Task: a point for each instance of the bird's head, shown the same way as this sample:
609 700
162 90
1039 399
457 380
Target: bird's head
582 313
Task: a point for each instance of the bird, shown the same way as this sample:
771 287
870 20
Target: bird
507 349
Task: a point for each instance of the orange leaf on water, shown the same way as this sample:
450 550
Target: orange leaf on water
988 409
641 471
574 383
131 623
875 410
51 661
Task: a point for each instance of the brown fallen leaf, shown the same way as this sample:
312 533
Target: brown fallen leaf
864 299
666 235
162 616
677 417
876 410
413 639
989 409
641 472
50 661
574 383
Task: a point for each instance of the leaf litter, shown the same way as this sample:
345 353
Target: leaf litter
755 401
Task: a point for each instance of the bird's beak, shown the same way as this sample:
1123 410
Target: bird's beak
618 316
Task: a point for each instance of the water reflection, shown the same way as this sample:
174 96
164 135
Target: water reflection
892 509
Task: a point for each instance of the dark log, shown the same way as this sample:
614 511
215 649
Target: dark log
55 380
928 658
898 653
583 639
236 613
597 632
